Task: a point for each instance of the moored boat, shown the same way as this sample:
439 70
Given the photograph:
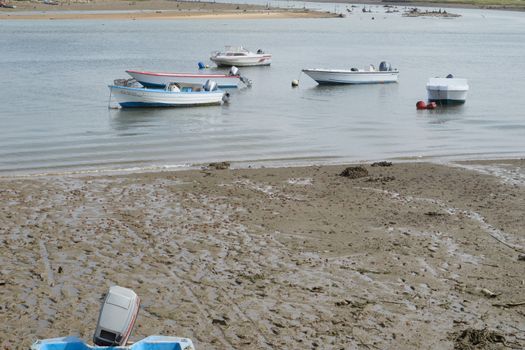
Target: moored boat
447 90
385 74
160 80
154 342
241 57
174 95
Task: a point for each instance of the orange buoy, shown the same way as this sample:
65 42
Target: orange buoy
431 105
421 105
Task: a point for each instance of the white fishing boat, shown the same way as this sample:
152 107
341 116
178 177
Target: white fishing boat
239 56
160 80
447 90
128 95
385 74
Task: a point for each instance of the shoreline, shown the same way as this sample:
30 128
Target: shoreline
402 255
134 168
151 9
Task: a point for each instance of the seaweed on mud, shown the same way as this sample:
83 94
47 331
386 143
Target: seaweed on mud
219 165
354 172
382 163
474 339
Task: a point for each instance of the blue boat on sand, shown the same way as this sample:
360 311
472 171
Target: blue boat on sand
154 342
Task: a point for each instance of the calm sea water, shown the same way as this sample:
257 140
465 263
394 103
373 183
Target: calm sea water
54 97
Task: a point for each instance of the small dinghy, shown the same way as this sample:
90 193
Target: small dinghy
129 93
447 90
385 74
154 342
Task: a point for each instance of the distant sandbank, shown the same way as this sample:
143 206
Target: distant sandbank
149 9
510 5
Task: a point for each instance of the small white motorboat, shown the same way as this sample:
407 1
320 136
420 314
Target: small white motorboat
129 94
385 74
241 57
447 90
160 80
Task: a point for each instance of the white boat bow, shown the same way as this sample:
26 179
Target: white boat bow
447 90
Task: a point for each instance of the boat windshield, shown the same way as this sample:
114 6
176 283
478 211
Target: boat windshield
236 50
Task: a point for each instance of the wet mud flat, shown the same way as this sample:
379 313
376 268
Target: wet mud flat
406 256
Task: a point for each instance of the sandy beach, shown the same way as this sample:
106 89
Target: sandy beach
150 9
401 256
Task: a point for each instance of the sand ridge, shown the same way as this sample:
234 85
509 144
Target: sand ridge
151 9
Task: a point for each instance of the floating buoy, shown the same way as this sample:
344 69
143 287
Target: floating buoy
295 83
207 66
201 65
431 105
421 105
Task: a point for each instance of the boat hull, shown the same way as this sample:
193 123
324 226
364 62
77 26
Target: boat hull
325 76
447 97
128 97
242 61
160 80
447 90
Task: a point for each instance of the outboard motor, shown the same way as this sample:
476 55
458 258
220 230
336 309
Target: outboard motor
117 317
210 85
173 87
450 76
384 66
246 81
234 70
226 97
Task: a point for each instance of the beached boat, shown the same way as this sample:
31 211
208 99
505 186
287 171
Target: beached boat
385 74
173 95
447 90
160 80
154 342
239 56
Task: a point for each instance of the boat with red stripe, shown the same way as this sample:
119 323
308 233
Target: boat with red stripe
240 57
161 79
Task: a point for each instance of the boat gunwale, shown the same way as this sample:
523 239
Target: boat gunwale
344 71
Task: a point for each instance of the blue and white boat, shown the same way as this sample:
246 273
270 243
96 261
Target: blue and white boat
173 95
154 342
